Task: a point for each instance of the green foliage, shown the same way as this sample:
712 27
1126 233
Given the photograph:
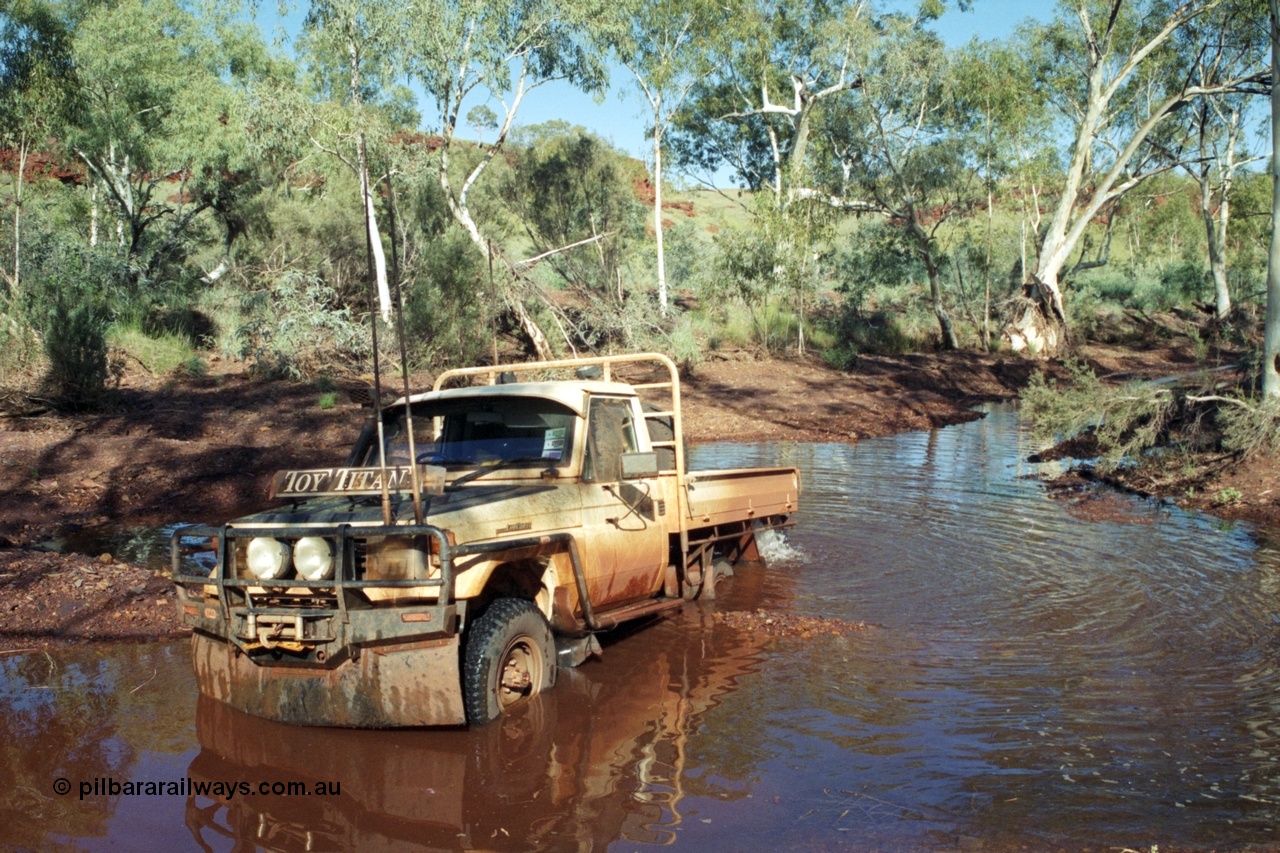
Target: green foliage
69 297
194 366
1124 420
729 326
327 400
1229 495
482 118
883 311
843 357
75 341
688 258
161 354
159 125
682 345
744 273
447 322
771 267
296 327
1187 281
205 151
568 186
20 352
1251 428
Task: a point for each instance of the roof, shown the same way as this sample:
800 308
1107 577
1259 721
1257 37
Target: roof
569 393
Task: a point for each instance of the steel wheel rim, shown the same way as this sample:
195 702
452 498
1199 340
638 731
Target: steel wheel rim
519 673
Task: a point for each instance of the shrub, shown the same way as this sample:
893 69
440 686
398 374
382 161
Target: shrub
1251 428
296 326
20 351
75 340
446 321
1186 281
682 345
870 332
1124 420
69 295
843 357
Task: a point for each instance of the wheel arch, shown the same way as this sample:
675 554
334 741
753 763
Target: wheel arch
530 579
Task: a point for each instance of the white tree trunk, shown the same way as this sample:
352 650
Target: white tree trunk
1216 239
461 211
657 207
1271 336
17 215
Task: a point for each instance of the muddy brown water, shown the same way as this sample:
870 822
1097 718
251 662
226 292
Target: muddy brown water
1032 680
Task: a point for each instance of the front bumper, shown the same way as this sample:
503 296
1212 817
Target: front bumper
324 652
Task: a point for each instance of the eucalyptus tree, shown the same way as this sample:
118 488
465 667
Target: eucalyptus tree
1217 152
569 187
785 60
462 49
355 52
155 108
1009 135
670 46
903 147
1112 69
36 85
482 118
1209 138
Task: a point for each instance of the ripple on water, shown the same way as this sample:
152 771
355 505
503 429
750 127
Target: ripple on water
1046 668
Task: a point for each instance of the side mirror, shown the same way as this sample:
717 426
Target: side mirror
637 466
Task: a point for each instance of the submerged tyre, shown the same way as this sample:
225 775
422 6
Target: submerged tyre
508 656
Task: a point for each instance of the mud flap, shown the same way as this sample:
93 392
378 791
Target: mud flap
396 687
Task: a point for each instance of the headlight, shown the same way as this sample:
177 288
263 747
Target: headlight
313 556
268 558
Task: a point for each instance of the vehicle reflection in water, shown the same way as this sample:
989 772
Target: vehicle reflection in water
603 757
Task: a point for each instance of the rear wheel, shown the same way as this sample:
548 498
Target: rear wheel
509 656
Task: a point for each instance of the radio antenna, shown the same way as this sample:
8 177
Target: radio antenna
414 475
367 201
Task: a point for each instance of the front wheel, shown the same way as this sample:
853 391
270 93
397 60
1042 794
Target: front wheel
508 656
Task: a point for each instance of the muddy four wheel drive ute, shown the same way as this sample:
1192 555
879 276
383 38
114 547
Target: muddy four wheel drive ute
477 538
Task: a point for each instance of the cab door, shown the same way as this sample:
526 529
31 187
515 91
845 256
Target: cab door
625 523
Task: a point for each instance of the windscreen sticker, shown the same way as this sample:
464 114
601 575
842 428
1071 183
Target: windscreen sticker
553 443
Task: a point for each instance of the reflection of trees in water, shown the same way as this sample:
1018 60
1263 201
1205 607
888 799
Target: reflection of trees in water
71 714
613 752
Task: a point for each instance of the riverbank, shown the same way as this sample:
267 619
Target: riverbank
204 449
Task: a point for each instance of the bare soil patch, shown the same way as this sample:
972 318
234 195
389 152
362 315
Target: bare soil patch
738 397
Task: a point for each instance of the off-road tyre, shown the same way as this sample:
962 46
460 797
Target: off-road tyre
508 656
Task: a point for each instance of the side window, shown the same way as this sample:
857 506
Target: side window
610 433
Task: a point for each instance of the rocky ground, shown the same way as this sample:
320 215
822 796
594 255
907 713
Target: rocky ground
204 449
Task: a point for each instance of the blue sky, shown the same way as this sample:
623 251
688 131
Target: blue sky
621 117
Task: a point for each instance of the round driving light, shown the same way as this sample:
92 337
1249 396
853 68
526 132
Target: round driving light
313 557
268 558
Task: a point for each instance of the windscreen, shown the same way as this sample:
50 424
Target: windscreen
474 432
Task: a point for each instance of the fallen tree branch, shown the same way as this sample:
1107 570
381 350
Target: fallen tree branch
528 262
1214 398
